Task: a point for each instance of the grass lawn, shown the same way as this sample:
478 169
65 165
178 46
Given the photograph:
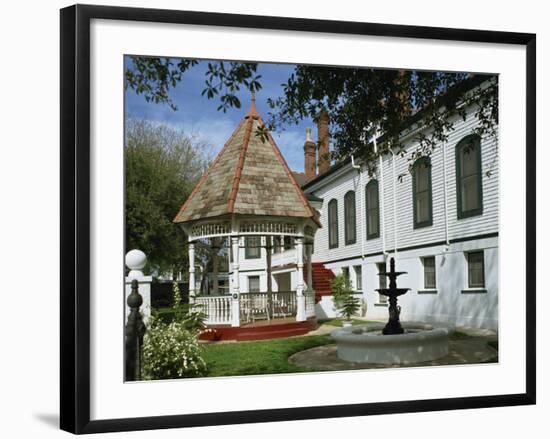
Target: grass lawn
267 356
259 357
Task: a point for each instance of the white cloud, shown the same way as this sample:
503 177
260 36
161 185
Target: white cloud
213 133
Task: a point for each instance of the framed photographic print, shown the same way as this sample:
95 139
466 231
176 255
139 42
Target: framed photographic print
340 214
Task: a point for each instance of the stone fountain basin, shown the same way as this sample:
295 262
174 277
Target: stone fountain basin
366 343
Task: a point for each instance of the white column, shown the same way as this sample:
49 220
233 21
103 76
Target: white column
235 290
268 248
300 298
215 250
191 252
309 273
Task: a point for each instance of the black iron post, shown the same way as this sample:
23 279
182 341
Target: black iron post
134 332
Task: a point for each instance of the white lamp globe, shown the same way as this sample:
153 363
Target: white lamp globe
135 261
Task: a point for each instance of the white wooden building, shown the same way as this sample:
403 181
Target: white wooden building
442 229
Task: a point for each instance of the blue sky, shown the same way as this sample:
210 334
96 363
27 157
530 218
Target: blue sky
197 115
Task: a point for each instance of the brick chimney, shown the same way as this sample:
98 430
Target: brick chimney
323 139
310 157
403 96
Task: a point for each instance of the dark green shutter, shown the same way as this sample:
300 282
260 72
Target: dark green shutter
350 218
468 173
333 224
372 207
422 193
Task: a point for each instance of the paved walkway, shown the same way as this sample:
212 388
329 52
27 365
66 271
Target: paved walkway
467 350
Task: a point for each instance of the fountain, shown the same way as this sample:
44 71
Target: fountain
394 342
394 325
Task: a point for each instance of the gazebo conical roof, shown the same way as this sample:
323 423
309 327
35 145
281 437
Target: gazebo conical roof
249 177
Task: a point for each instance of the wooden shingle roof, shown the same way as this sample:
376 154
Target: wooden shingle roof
249 177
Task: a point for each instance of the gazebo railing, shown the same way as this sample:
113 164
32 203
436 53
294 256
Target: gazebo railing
257 306
216 308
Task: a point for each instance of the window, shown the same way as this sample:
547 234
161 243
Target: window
277 246
476 269
289 243
253 284
333 224
358 277
382 282
429 272
372 209
345 272
469 195
349 217
422 192
252 247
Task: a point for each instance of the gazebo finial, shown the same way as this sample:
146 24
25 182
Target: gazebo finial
252 112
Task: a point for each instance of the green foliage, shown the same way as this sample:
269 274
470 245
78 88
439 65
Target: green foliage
162 165
154 77
191 316
171 350
259 357
342 294
385 98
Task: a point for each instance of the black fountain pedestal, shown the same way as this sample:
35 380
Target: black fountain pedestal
394 325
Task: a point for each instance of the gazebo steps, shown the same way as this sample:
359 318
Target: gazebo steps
259 331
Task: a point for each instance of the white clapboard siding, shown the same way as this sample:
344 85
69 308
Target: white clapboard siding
337 185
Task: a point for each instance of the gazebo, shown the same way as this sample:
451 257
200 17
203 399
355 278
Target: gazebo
247 192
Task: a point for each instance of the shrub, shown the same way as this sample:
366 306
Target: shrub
170 350
344 301
190 315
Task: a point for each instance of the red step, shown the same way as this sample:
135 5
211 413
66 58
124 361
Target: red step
321 278
266 331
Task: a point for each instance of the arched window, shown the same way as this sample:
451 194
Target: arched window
422 192
333 224
372 207
350 218
469 192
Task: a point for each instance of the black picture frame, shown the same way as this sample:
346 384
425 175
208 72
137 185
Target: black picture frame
75 217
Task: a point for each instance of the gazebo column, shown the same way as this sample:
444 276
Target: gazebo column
300 298
309 273
215 282
235 290
268 247
191 252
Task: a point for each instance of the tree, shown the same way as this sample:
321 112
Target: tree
162 168
360 101
342 294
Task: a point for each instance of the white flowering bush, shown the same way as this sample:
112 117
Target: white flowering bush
170 350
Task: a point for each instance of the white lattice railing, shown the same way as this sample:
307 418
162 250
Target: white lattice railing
216 308
254 306
268 227
310 303
211 229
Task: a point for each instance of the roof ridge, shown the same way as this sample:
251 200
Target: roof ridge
240 165
283 162
208 170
